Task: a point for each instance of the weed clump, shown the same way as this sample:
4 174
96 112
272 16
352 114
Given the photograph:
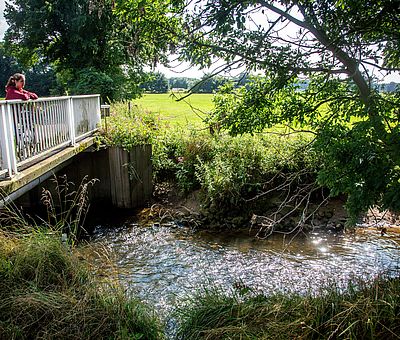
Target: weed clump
46 292
364 311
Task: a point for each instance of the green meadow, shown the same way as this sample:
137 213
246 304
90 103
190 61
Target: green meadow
191 110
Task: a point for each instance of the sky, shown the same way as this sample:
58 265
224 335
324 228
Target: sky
177 70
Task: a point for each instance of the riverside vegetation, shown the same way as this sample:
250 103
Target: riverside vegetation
237 178
47 291
364 311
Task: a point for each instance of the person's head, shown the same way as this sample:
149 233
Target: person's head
17 80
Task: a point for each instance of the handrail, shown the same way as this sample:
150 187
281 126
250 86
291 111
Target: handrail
31 129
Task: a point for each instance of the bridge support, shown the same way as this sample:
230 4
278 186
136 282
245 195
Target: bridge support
130 176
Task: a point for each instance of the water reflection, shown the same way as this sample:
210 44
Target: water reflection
164 263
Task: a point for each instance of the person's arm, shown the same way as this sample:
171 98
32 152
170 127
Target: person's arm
31 95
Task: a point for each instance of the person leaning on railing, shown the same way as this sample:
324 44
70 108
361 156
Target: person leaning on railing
15 88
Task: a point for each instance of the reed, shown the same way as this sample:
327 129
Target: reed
67 207
13 219
363 311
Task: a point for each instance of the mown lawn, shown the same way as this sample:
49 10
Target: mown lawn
188 111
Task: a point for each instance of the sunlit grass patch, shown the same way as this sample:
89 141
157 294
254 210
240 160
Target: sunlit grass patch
190 111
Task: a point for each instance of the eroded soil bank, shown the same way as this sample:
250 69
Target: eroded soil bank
169 205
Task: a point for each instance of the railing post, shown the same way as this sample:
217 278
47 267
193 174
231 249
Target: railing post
105 112
7 140
71 121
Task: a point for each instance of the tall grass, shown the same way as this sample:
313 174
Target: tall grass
47 293
364 311
67 206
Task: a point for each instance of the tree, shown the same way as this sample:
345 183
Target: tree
70 33
8 66
178 82
208 84
114 40
78 37
155 83
149 29
331 43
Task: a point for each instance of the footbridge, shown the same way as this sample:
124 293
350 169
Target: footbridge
38 137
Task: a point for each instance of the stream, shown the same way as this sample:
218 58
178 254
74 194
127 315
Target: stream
164 264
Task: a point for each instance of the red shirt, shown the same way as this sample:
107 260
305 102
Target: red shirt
14 93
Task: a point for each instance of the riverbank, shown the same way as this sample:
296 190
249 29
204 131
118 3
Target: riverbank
364 311
48 292
170 205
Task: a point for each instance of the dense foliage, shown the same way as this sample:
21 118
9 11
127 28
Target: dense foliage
228 169
41 78
86 42
128 127
156 82
232 173
71 35
338 47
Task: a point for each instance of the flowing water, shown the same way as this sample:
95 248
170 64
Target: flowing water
164 264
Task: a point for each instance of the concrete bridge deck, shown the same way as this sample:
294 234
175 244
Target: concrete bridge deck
25 180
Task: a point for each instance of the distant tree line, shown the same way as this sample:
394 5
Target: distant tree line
157 82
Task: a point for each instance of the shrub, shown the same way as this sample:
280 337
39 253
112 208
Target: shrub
227 169
128 127
230 169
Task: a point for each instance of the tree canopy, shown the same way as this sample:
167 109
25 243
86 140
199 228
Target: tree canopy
156 82
40 78
88 42
71 35
338 46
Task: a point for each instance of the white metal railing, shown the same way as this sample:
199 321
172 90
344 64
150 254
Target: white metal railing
30 130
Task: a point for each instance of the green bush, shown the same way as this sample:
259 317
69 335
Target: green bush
227 169
128 127
230 169
241 166
177 153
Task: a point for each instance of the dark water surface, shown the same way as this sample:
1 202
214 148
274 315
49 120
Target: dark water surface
165 264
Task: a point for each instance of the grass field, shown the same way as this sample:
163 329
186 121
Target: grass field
188 111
